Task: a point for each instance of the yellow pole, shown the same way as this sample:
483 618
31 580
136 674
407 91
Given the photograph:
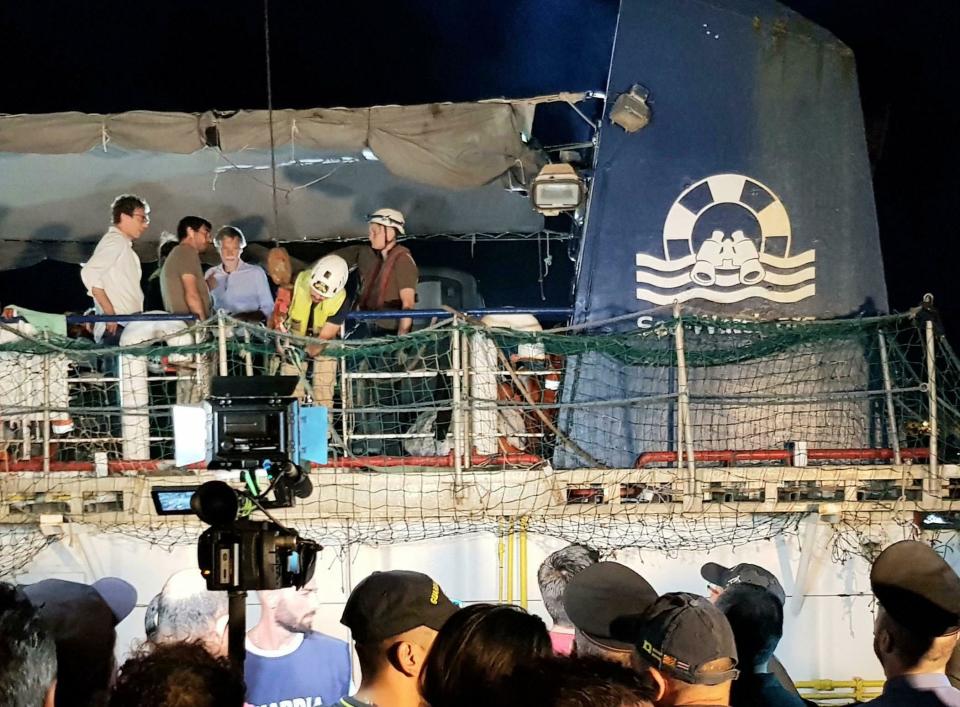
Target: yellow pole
510 542
523 562
500 550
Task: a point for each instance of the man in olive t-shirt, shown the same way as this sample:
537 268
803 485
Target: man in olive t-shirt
182 285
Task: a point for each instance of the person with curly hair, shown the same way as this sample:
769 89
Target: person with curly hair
178 675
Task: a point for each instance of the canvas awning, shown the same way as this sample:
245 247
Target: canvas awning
445 165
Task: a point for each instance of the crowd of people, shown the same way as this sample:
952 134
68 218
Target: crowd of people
313 302
304 302
615 642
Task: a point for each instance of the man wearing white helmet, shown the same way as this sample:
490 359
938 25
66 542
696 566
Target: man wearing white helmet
318 308
388 273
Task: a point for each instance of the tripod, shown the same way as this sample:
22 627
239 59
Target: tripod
237 627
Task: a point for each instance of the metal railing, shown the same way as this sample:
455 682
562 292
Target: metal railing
478 435
831 692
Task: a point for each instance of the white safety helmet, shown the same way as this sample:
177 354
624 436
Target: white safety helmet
388 217
329 276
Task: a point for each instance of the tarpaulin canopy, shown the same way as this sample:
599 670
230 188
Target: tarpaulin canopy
444 165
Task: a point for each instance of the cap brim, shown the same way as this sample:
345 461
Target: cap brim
440 615
608 643
715 574
118 594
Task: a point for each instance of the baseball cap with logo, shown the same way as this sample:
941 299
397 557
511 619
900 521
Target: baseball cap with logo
389 603
744 573
601 593
679 634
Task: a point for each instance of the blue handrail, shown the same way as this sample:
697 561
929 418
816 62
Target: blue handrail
119 318
548 313
551 313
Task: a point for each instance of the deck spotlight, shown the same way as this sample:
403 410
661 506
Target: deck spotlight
557 188
630 111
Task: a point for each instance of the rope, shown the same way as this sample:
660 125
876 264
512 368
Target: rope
273 151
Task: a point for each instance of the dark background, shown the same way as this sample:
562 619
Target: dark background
185 55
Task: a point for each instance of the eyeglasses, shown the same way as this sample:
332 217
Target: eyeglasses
141 217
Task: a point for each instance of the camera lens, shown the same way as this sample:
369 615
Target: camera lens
216 503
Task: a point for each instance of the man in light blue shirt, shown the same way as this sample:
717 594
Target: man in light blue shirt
237 287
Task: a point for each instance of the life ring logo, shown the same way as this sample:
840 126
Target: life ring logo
726 239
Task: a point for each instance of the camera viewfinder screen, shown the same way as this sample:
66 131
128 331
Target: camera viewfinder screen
172 500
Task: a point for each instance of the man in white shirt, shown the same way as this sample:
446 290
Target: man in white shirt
112 275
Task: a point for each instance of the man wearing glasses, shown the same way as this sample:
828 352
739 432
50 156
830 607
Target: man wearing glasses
112 275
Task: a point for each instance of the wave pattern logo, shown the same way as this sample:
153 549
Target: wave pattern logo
731 264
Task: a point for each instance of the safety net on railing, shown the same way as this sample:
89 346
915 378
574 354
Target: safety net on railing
686 434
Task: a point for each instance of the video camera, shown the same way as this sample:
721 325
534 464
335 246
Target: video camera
248 424
241 554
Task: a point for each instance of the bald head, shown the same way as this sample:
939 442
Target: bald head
188 611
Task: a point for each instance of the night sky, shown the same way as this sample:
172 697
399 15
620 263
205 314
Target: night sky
184 55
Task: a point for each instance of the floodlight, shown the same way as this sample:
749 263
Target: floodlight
557 188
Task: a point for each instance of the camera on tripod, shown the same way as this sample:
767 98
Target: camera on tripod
240 554
248 425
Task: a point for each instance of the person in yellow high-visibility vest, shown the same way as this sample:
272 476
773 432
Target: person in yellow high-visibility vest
318 308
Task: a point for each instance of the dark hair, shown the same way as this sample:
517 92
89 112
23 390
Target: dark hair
28 655
164 250
371 657
193 222
577 682
182 674
555 574
756 617
477 647
127 204
229 232
910 646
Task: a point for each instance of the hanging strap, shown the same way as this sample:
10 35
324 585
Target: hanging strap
381 276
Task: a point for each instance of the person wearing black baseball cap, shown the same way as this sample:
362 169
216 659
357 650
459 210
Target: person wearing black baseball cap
687 645
756 617
917 625
719 578
82 620
595 598
394 618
